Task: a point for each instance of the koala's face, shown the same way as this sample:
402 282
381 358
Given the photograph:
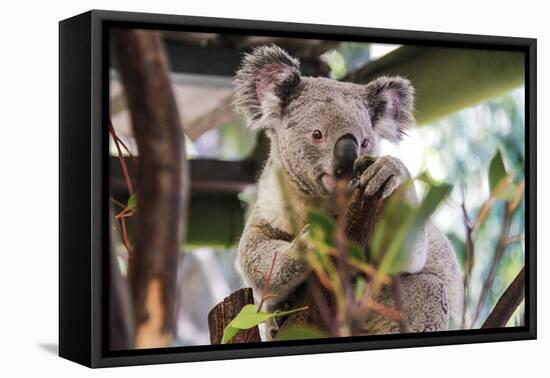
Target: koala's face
319 126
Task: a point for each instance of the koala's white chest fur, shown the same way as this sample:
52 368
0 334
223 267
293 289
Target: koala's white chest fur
280 206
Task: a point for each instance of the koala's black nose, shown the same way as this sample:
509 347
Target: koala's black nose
345 154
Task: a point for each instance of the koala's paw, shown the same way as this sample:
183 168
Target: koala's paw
291 267
383 176
300 248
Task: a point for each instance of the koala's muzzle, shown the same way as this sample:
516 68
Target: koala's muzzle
345 154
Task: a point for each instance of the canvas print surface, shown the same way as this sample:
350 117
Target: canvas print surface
266 189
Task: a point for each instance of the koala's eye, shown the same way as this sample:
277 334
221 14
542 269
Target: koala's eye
317 134
364 143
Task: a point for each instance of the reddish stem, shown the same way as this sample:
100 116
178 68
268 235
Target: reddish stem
125 235
121 159
267 283
127 212
125 147
118 203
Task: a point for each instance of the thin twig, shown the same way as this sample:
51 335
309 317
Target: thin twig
127 212
121 159
267 283
118 226
373 289
125 236
320 274
499 252
488 205
118 203
388 312
515 239
469 257
323 308
343 313
126 148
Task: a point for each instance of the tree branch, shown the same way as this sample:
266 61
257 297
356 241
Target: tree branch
508 303
160 189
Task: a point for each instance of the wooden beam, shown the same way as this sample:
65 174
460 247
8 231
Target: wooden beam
206 175
223 113
215 213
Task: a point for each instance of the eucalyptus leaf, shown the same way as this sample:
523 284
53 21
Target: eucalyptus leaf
360 288
321 236
321 227
249 317
355 252
400 226
497 170
300 333
132 202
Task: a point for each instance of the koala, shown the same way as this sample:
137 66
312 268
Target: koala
318 129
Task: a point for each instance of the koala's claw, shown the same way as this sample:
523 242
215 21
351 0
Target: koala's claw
383 177
361 164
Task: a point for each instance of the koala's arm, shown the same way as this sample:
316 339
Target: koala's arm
383 176
258 244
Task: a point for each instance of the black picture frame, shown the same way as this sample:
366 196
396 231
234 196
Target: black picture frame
83 165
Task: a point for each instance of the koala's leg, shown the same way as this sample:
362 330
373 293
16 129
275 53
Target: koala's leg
425 306
258 245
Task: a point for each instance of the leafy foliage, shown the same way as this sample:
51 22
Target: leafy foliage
301 333
497 171
249 317
399 226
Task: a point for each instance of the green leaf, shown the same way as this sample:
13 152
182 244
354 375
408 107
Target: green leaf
360 288
228 333
321 236
391 228
426 178
436 194
399 226
321 228
497 170
285 313
132 202
249 317
355 252
300 333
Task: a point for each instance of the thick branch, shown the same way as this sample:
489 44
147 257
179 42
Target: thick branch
474 76
220 316
508 303
161 195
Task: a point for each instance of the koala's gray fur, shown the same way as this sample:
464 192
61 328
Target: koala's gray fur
272 96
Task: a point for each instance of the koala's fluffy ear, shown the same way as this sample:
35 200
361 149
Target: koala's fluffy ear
390 101
264 83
